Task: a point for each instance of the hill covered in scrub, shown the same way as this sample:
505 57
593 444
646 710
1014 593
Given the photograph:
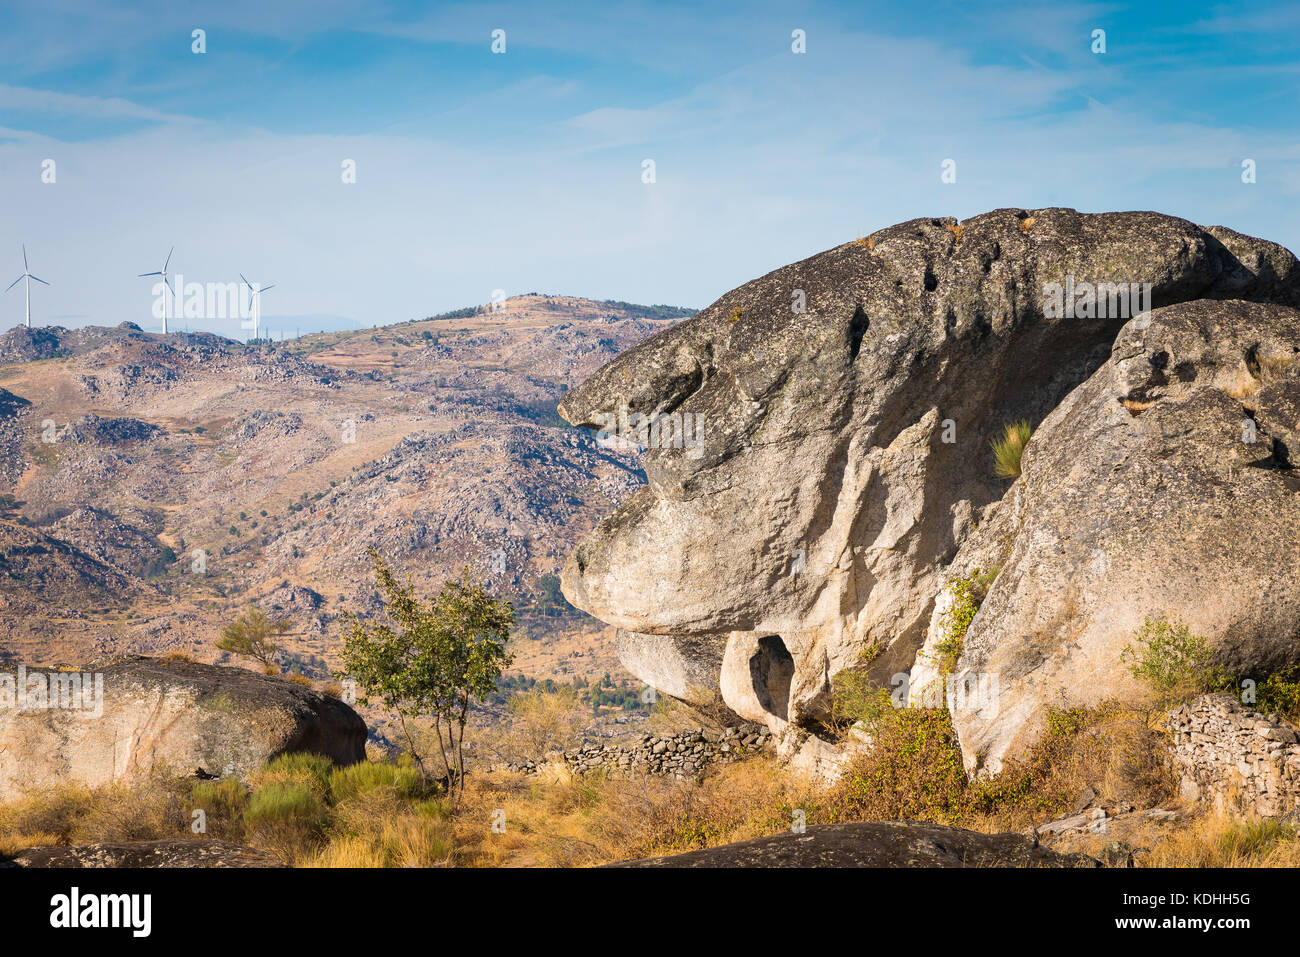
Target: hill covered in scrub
152 487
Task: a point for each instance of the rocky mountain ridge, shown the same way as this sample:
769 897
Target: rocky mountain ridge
155 486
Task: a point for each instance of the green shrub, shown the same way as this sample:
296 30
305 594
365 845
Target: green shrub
854 698
1172 662
1254 837
912 772
228 796
1278 694
968 594
223 803
281 803
311 770
357 779
1008 449
289 819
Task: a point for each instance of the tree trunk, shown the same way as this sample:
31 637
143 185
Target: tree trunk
410 743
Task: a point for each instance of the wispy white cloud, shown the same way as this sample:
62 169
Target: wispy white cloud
49 101
532 181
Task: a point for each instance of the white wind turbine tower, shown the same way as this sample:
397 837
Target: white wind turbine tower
27 274
166 286
254 303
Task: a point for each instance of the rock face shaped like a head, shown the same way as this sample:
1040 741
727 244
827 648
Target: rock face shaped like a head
818 439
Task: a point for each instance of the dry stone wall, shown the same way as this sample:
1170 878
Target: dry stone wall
684 755
1235 758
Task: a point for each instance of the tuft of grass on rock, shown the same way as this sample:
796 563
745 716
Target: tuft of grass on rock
1008 449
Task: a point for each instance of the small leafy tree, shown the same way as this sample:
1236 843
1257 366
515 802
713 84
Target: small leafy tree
431 658
250 635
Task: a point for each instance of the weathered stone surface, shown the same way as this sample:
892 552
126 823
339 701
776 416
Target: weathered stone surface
1162 486
186 717
876 844
686 667
819 515
170 852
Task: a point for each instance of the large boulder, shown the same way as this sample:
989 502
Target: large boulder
685 667
152 714
1163 486
819 437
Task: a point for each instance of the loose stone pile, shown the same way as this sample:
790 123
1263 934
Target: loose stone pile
682 755
1235 758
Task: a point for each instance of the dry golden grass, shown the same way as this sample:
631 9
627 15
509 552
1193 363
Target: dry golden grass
75 814
956 231
379 829
597 819
914 771
1135 405
382 814
1218 840
1026 224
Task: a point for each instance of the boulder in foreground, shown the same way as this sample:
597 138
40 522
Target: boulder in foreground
171 852
876 844
143 714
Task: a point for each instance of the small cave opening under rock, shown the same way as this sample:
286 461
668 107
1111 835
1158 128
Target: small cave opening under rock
771 668
858 327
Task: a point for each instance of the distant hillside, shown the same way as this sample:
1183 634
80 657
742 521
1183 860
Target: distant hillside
151 487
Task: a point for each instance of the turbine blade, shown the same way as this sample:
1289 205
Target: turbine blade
145 274
246 282
40 280
265 288
25 267
17 281
169 258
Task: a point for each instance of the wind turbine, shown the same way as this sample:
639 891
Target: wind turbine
254 303
163 272
27 274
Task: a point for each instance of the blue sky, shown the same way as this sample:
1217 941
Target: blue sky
522 171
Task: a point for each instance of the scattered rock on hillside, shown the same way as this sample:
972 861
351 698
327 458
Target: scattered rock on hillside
292 600
111 541
11 404
97 430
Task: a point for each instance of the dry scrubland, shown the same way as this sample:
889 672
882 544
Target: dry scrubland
170 447
435 441
381 813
